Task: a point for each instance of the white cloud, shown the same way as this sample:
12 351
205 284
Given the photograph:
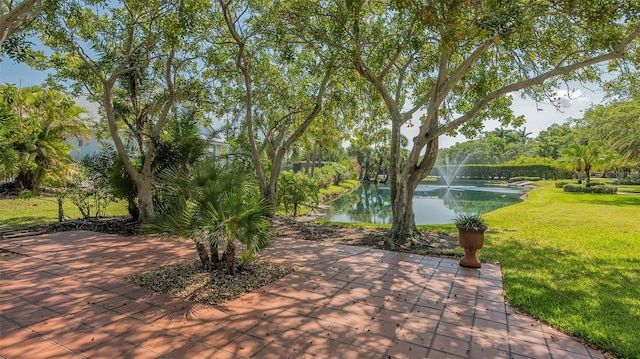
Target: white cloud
565 99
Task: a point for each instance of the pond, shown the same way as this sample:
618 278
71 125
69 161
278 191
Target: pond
432 204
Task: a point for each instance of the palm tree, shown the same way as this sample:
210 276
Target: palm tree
42 121
523 135
586 157
217 207
575 158
594 155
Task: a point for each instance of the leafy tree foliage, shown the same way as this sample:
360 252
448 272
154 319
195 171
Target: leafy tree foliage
283 83
553 140
179 146
12 17
278 67
498 146
297 189
36 125
138 60
616 124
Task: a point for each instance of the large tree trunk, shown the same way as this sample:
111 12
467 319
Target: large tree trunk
415 169
271 194
403 224
145 199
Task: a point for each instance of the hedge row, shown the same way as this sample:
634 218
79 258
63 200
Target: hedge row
506 171
584 189
628 181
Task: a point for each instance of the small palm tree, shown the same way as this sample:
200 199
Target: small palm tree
574 157
586 157
217 207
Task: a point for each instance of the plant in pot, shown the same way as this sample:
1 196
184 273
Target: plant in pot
471 227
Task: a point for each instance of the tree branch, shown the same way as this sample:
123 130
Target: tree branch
10 21
619 52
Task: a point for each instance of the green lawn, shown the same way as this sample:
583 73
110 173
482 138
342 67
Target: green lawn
16 213
573 260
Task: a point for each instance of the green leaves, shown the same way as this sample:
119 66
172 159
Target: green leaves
216 204
36 125
616 124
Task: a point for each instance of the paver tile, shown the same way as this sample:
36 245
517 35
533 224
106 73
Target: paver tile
405 350
479 351
28 348
372 342
450 345
325 347
276 351
245 345
193 349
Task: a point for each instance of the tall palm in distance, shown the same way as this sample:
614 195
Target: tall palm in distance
584 158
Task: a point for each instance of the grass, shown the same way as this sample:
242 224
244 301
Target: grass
17 213
332 190
573 260
628 188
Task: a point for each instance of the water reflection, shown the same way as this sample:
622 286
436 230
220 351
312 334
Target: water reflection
432 204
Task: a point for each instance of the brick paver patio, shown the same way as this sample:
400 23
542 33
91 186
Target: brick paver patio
64 298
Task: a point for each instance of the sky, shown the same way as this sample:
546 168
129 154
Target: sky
539 116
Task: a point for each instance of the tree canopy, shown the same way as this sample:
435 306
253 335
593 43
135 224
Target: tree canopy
616 124
138 60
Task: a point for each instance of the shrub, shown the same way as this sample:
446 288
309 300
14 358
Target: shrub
334 172
342 174
584 189
561 184
214 204
353 169
628 181
296 189
523 178
324 176
90 201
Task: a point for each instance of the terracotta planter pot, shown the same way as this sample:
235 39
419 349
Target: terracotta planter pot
471 241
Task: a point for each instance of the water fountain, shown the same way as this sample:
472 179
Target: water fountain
449 170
